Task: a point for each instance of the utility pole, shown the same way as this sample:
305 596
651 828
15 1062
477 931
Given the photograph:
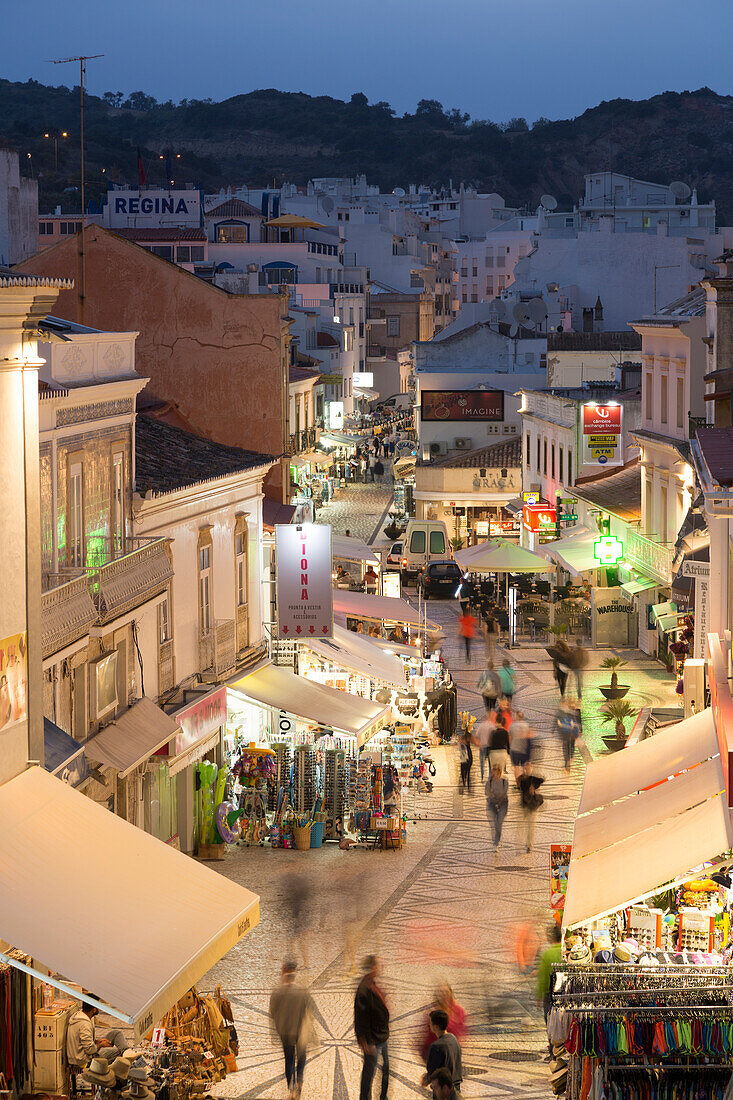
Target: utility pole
82 258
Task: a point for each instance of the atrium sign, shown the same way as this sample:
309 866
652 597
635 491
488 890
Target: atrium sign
152 208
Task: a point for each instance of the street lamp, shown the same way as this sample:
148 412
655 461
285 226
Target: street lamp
55 137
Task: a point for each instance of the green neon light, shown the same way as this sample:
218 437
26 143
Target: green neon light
608 550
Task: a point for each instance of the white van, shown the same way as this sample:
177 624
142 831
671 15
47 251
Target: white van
424 540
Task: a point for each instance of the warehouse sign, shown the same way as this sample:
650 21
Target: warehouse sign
304 583
461 406
602 435
152 208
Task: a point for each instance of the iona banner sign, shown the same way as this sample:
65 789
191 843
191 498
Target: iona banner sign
304 584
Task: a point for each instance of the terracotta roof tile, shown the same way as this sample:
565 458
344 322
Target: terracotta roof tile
507 453
162 236
233 208
618 491
168 458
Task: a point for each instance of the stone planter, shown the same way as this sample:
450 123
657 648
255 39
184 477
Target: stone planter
618 692
614 743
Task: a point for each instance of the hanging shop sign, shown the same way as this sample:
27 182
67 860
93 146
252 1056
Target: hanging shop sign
461 405
200 723
304 586
559 866
13 680
335 410
539 517
363 379
603 435
611 617
531 498
700 570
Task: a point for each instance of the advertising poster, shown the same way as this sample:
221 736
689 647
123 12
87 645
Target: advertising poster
13 680
461 406
559 864
603 435
304 584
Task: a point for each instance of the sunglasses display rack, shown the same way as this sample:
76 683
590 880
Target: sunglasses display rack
645 926
696 931
283 754
334 787
305 788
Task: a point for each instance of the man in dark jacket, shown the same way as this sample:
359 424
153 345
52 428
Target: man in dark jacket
444 1051
371 1025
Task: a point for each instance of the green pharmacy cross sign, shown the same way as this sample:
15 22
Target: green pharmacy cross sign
608 550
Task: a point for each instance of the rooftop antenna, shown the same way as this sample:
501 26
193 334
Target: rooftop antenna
82 73
549 202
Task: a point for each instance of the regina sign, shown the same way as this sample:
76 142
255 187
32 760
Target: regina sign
152 208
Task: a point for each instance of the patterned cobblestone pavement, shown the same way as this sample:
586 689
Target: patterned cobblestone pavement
360 508
441 908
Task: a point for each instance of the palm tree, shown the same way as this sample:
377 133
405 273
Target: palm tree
618 710
614 663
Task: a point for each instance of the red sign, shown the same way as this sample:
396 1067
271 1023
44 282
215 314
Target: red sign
461 405
559 865
200 719
601 419
539 517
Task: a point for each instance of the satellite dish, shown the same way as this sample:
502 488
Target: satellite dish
399 192
537 310
549 202
327 205
680 190
513 331
520 313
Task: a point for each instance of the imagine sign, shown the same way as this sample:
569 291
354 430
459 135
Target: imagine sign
461 406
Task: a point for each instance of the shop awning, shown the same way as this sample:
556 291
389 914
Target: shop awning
515 506
648 816
359 654
370 395
272 686
310 458
633 588
575 552
391 609
136 922
338 439
670 622
132 738
62 755
348 548
502 556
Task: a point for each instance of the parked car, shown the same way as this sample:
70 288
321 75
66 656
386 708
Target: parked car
440 578
394 557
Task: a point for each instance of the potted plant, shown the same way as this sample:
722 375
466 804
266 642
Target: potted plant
617 711
558 629
393 531
456 543
614 690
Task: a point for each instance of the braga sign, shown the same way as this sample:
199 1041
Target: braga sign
602 435
304 584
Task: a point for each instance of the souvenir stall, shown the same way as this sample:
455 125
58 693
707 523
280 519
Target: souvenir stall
355 566
386 618
644 997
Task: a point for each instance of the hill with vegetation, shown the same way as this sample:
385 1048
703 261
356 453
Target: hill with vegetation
267 135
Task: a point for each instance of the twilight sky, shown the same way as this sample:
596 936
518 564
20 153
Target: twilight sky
492 58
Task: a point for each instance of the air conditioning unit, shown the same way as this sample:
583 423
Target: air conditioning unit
463 443
439 447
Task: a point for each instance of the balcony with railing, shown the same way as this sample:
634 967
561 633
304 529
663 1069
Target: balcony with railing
120 574
303 441
218 649
376 351
654 558
166 671
67 612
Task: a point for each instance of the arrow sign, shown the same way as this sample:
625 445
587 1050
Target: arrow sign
285 630
299 629
324 629
312 629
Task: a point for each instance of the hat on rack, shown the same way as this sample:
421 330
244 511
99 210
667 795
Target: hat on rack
99 1072
648 959
622 953
137 1091
559 1076
579 953
139 1074
121 1068
603 955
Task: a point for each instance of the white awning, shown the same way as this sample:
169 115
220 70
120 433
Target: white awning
272 686
669 752
648 817
338 439
370 395
359 605
633 588
501 556
348 548
574 552
310 458
359 654
132 738
136 922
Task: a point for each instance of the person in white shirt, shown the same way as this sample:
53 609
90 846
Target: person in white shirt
80 1043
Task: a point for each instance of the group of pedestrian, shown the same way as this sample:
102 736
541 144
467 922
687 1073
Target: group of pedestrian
292 1013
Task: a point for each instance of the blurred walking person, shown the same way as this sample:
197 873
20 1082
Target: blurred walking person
465 752
499 744
497 801
371 1026
579 662
521 744
562 657
467 631
444 998
445 1050
489 685
481 734
507 680
529 788
567 730
291 1012
491 633
299 902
